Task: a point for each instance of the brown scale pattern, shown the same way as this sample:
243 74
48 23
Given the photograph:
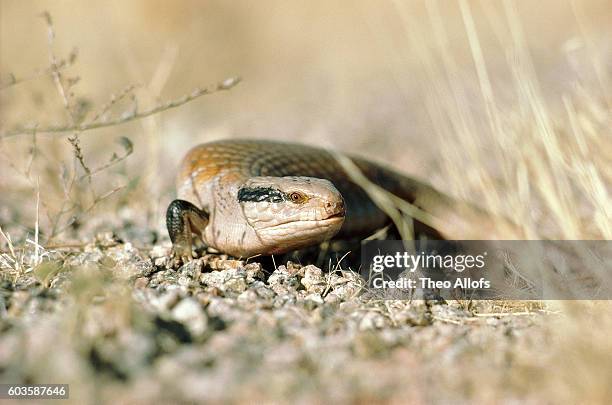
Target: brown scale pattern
236 160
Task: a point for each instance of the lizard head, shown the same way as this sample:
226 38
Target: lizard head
289 213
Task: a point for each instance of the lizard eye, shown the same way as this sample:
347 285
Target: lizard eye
297 197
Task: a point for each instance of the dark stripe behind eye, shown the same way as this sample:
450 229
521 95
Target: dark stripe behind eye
259 194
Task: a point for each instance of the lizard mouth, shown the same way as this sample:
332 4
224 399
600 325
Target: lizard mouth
337 215
325 221
307 223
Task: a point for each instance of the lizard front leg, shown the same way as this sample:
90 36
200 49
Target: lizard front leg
183 219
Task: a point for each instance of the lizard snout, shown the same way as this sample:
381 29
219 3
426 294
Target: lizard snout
335 208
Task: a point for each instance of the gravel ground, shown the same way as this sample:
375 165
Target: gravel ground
119 325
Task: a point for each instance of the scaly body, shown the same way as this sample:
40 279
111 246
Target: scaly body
254 197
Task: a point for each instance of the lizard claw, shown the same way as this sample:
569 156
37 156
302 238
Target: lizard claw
180 255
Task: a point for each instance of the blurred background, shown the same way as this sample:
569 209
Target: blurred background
506 102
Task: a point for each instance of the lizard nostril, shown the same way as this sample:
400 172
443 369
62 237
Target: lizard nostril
334 208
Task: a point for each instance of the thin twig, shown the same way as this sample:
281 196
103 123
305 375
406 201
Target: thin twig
115 98
36 224
64 92
61 65
222 86
33 153
53 66
447 320
499 314
56 231
129 149
67 185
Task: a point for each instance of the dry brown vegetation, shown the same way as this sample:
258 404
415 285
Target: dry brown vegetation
503 103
